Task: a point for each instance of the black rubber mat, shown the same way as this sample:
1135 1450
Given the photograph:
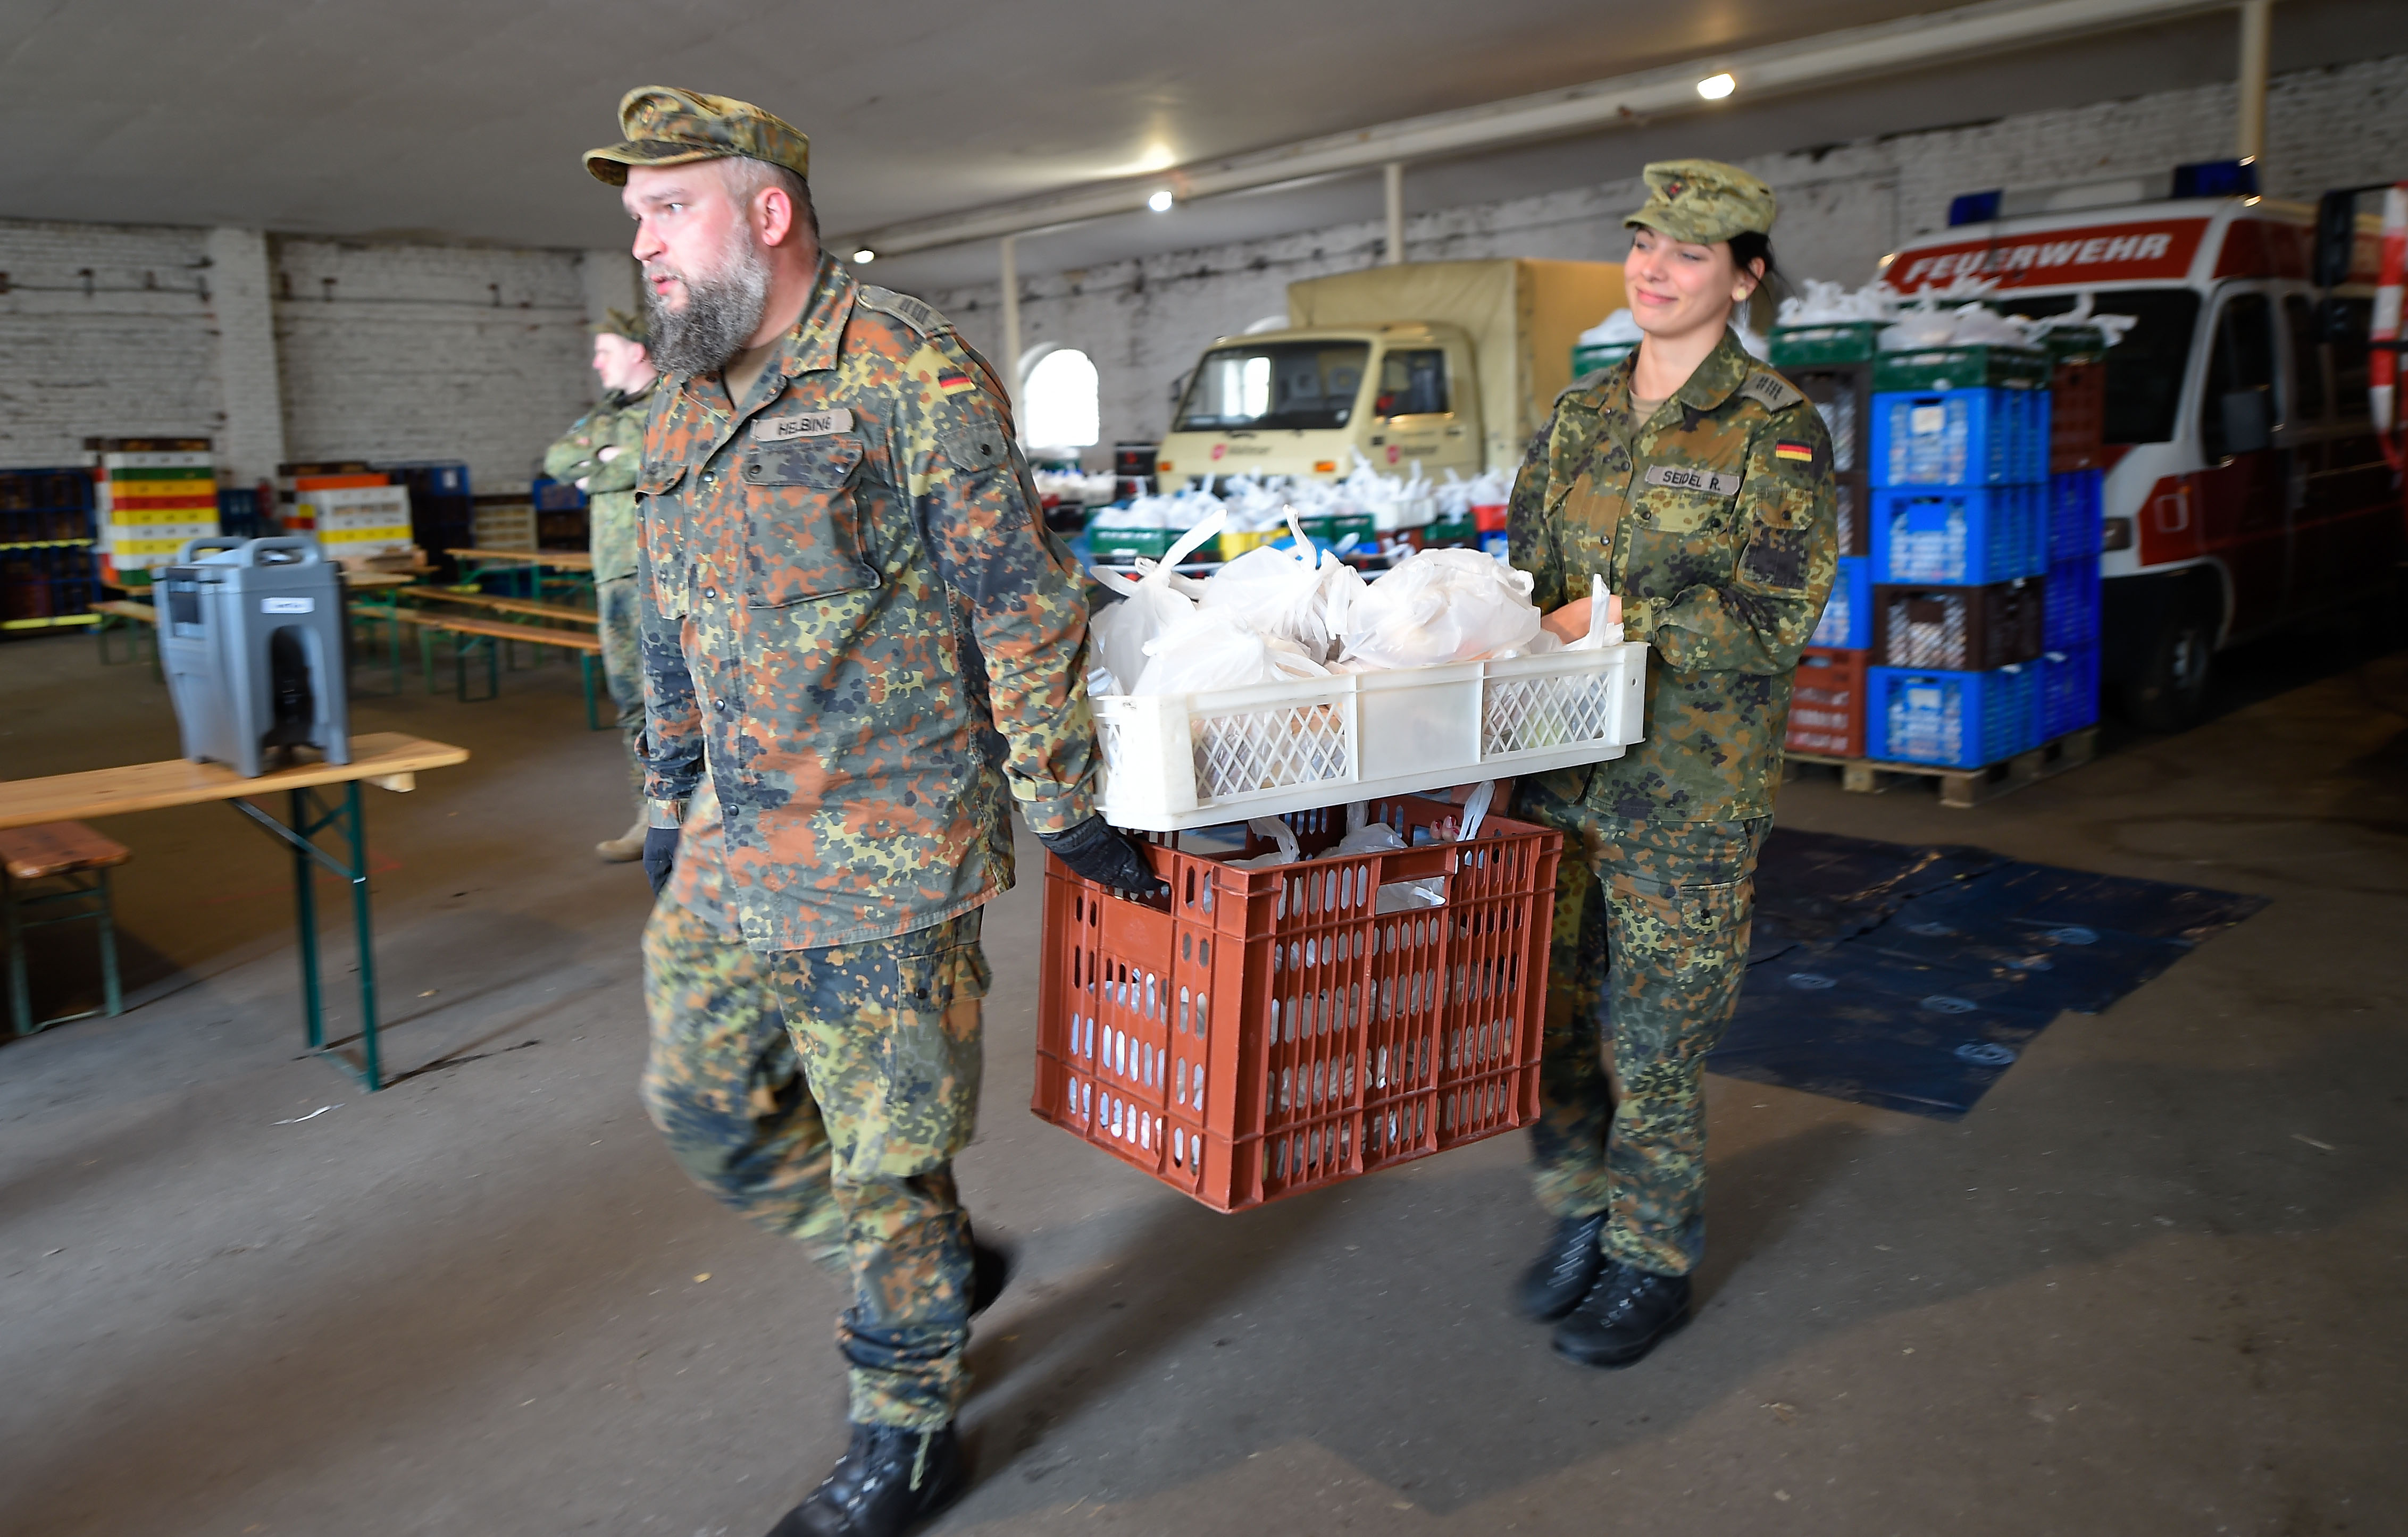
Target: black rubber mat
1911 978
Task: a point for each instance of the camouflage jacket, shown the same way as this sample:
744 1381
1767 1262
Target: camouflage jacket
1714 520
618 422
855 623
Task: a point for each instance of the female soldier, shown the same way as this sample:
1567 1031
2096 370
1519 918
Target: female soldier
1698 483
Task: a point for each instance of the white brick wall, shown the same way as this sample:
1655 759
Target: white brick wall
1145 321
104 331
396 352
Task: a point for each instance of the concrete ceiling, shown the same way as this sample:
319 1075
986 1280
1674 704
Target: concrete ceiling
457 121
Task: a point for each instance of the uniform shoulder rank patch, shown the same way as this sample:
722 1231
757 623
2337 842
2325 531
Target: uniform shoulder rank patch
1770 390
918 314
1796 452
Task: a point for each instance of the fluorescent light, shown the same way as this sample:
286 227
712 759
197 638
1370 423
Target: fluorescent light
864 256
1161 200
1715 86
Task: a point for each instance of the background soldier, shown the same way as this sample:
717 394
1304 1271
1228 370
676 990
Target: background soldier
856 637
600 455
1698 482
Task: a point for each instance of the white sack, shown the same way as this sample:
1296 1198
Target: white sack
1440 605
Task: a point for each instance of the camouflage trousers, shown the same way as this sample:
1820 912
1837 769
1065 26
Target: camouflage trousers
623 666
824 1093
1650 949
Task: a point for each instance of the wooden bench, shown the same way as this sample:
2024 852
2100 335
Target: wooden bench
558 611
133 617
58 852
467 628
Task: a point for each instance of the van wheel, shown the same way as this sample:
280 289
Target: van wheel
2170 692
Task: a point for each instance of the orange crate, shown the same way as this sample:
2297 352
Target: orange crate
1827 702
1260 1033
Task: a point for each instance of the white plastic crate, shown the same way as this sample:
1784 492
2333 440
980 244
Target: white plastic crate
1181 761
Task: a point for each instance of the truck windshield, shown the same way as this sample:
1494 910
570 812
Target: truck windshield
1276 384
2145 370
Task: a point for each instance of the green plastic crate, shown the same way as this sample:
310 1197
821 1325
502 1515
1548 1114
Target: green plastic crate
1588 360
1451 533
1337 526
2075 344
1127 544
1962 369
1804 346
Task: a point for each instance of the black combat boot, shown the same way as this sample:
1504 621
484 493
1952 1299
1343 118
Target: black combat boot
1624 1315
886 1483
1562 1275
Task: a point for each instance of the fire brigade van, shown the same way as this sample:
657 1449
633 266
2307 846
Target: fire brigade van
2245 485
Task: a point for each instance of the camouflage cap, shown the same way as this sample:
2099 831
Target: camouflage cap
666 126
1703 201
619 323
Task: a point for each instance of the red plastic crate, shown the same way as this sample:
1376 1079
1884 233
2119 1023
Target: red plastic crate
2077 418
1261 1033
1827 703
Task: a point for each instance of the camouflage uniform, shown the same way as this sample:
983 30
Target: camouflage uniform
857 628
1713 520
617 423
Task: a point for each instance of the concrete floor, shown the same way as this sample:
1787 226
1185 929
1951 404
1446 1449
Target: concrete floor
2151 1284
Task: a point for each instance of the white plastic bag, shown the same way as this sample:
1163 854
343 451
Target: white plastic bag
1279 832
1289 592
1604 618
1440 606
1209 649
1152 603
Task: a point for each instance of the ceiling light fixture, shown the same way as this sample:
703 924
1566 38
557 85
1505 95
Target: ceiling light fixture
1715 86
864 257
1161 200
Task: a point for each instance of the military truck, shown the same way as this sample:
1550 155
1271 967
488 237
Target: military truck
1444 364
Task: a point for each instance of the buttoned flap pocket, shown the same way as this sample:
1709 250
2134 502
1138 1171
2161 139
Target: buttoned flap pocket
1688 529
803 521
656 507
974 445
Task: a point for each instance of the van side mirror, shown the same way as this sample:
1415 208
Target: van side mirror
2336 237
2248 422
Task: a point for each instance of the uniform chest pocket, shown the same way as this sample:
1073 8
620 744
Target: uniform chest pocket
803 522
1688 529
658 510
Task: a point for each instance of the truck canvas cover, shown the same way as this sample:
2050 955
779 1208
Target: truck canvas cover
1522 316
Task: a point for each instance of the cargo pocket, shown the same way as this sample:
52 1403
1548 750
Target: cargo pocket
802 523
657 522
933 1059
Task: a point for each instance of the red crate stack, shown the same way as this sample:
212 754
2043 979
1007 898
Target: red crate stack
2077 420
1827 703
1262 1033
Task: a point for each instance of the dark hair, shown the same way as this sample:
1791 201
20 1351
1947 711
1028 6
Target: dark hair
1749 247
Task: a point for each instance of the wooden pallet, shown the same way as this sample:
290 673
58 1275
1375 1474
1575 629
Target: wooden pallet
1964 788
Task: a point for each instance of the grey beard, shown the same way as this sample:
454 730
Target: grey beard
721 314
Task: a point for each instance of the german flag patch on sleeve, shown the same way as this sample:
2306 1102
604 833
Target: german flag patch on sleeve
1799 453
952 381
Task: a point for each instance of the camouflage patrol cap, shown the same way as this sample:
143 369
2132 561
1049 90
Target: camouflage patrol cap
666 126
1703 201
619 323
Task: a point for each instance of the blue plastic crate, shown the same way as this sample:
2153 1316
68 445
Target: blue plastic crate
1990 436
2069 691
1954 719
1847 623
2077 501
1959 535
2070 604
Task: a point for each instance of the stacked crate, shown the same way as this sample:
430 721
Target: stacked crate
2077 463
152 495
1833 364
47 540
1960 520
442 509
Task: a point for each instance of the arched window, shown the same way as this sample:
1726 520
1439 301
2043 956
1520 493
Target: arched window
1058 404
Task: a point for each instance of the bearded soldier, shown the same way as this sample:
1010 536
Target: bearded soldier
861 649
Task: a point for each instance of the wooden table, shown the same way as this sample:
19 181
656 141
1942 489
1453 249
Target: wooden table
386 759
558 559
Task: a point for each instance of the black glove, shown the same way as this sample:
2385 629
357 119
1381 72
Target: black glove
1104 854
660 855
